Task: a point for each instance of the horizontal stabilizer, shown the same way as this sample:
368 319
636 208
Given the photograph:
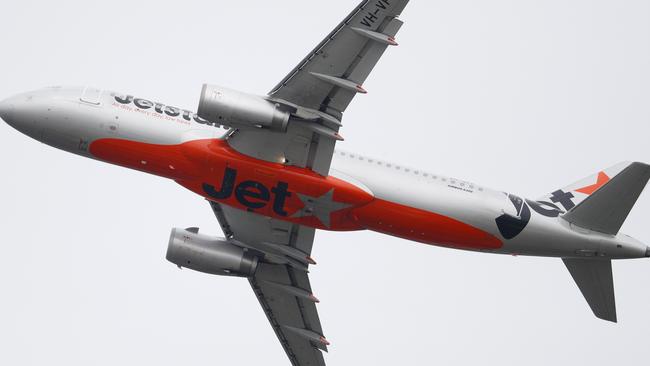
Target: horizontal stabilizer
606 209
594 278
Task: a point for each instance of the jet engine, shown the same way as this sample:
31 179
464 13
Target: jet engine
187 248
236 109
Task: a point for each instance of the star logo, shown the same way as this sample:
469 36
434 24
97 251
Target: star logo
602 179
320 207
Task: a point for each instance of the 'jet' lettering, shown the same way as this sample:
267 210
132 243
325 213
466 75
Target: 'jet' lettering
252 194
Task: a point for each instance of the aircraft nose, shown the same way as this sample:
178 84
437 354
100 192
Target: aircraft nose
7 110
18 112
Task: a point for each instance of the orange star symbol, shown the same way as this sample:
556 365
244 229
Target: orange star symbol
602 179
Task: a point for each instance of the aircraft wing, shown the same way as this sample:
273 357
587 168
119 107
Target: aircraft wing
315 93
334 72
320 88
281 282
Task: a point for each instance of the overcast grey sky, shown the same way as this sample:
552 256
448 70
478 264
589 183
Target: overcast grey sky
523 96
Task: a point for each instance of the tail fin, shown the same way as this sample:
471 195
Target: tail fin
594 278
607 207
601 202
572 195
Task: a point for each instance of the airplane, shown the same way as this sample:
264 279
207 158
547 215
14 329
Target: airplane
268 167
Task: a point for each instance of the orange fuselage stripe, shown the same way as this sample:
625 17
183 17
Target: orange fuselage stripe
195 164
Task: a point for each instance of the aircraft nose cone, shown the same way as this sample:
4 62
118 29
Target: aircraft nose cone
6 110
17 112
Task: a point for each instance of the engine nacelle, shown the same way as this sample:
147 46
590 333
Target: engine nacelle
208 254
236 109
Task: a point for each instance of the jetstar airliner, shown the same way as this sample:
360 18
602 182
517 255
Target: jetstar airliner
273 177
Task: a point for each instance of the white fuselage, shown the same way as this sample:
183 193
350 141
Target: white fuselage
73 118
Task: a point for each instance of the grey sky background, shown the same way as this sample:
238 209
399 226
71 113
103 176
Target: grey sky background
523 96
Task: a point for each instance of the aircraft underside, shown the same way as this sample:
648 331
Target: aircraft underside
274 178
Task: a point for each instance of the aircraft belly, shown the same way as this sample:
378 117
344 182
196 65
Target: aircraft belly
212 169
423 226
419 208
549 238
352 198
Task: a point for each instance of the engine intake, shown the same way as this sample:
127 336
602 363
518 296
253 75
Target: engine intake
236 109
187 248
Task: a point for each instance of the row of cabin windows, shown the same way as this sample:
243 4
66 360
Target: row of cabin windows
407 170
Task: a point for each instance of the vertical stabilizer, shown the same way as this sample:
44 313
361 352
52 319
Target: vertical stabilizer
572 195
595 280
606 209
